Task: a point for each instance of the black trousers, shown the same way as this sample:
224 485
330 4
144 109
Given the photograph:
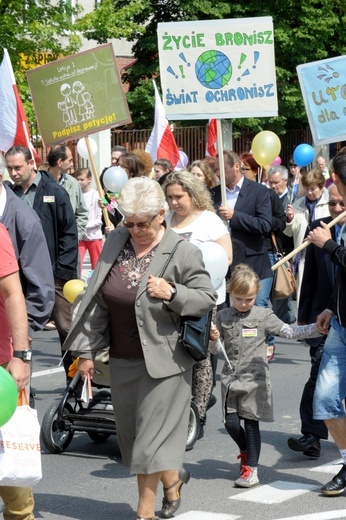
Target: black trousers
310 425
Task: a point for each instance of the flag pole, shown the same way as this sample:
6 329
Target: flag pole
12 101
97 180
221 162
29 143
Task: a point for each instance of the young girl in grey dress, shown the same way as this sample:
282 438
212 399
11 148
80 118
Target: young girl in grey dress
245 383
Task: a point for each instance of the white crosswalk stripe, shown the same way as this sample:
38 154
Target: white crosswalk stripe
274 493
204 515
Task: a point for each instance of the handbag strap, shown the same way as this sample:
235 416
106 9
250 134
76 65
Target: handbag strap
170 256
162 273
275 242
278 250
23 398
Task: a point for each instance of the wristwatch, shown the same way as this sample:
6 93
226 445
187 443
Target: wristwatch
24 355
173 292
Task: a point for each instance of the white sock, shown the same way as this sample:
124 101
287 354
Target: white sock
343 455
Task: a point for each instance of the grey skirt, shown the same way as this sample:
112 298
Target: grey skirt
151 416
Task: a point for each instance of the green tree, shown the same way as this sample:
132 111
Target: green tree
31 27
140 96
305 31
112 19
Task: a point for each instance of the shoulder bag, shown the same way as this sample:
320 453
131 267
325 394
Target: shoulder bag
284 283
194 332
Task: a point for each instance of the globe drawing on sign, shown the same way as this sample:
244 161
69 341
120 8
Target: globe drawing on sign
213 69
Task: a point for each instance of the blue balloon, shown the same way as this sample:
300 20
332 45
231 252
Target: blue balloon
304 154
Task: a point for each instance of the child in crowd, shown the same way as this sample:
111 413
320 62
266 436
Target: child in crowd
92 240
245 383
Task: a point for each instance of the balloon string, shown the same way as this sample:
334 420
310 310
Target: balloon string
259 174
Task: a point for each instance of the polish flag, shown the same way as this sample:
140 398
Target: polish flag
211 139
14 128
161 144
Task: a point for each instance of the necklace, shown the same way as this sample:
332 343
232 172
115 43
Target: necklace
185 221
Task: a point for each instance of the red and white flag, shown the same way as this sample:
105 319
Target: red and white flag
211 149
161 144
14 128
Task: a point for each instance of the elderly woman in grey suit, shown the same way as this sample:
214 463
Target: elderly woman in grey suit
134 308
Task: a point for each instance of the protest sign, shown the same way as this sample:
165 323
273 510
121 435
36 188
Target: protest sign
218 68
78 95
323 85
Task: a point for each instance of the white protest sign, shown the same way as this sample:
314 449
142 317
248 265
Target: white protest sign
218 68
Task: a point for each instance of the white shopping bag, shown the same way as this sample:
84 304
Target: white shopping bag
87 393
20 450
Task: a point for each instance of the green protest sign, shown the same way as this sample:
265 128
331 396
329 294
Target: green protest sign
78 95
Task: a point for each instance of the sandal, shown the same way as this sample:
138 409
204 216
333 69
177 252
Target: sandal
152 518
169 507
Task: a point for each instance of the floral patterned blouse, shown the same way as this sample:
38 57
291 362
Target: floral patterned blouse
119 293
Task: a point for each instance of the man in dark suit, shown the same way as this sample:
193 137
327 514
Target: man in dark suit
248 213
316 291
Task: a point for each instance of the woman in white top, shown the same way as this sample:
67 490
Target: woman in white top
193 217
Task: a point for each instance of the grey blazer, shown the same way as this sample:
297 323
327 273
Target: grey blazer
163 354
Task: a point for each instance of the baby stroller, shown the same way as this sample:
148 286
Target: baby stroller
62 419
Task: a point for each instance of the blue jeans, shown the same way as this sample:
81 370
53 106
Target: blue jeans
262 300
330 388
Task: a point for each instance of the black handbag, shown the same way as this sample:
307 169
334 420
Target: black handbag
194 335
194 332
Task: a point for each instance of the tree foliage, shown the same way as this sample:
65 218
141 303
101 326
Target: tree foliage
141 96
305 31
112 19
31 27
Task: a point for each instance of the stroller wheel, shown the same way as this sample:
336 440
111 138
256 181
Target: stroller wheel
55 439
193 428
99 438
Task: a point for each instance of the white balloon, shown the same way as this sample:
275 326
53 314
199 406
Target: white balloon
183 161
215 261
114 179
83 150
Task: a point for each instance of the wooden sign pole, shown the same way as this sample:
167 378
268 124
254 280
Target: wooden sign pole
97 180
305 244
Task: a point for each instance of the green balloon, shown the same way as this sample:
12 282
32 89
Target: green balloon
8 396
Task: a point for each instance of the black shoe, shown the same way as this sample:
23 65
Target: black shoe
308 444
169 507
337 484
201 428
212 401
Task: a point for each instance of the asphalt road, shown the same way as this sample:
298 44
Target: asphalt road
88 482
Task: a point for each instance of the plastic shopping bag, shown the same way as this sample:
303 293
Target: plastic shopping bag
20 450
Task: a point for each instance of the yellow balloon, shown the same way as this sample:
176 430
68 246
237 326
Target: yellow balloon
266 147
72 289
